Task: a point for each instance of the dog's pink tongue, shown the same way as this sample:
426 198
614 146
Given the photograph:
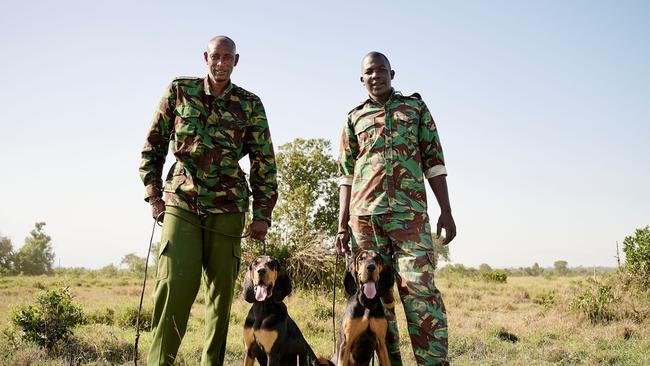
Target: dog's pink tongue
369 289
260 293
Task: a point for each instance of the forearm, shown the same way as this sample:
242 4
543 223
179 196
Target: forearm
439 187
344 206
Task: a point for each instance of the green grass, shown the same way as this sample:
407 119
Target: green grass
482 318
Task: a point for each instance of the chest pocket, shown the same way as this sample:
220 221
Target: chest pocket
187 121
407 128
366 133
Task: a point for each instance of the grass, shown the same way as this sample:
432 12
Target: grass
526 321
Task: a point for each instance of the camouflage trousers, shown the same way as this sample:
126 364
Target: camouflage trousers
404 239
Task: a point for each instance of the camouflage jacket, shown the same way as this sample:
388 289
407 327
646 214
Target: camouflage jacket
209 135
386 152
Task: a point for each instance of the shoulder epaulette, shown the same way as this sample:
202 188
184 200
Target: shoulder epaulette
358 107
415 96
243 92
179 78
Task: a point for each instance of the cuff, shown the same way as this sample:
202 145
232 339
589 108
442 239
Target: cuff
345 180
435 171
151 191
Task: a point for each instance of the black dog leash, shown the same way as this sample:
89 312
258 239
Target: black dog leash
146 267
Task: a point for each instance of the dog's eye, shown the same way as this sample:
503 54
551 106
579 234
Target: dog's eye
272 265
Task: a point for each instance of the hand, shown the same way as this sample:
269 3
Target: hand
341 242
157 206
257 229
446 221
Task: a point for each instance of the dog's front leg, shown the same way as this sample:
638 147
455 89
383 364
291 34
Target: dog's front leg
380 328
343 358
248 360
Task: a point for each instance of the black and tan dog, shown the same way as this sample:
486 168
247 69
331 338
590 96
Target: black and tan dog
364 324
271 337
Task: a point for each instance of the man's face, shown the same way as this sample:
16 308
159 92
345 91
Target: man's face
221 59
376 75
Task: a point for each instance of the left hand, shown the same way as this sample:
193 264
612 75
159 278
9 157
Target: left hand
257 229
446 221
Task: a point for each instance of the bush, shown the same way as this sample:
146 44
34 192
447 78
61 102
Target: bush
50 320
498 276
103 316
637 255
547 300
458 270
127 317
596 302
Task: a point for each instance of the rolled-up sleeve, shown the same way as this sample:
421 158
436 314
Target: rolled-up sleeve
433 161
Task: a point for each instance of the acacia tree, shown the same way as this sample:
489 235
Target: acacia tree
36 256
133 262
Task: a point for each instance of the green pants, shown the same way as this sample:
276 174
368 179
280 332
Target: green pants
187 255
404 240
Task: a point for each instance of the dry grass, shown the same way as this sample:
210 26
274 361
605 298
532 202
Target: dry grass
484 320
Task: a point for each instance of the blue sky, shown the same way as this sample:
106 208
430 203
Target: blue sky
542 109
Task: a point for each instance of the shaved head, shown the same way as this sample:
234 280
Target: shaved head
376 75
214 42
375 55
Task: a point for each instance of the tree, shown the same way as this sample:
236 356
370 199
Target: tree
536 270
36 256
6 255
484 267
308 193
561 267
637 254
133 262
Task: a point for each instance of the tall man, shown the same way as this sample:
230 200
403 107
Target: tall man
211 124
389 145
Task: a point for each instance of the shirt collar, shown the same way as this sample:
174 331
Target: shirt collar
206 87
393 93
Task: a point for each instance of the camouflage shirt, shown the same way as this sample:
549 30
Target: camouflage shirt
209 135
386 152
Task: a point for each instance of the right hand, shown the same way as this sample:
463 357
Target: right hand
341 242
158 206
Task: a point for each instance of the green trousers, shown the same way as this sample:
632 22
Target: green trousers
189 254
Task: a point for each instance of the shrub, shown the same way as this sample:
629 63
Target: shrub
498 276
127 317
637 255
50 320
596 302
458 270
547 300
103 316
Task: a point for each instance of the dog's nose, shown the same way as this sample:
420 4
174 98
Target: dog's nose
371 268
261 271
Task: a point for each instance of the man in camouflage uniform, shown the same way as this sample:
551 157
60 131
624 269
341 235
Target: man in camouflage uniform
389 145
211 124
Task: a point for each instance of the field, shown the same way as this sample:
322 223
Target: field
526 321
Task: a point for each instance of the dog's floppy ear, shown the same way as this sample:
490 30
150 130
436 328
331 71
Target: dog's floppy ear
248 289
350 278
386 279
282 286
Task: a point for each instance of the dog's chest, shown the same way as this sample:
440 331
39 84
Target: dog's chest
266 338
